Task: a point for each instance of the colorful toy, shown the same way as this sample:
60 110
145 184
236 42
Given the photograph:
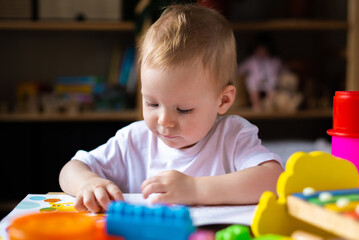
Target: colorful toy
202 235
318 170
234 232
345 132
338 213
154 222
272 237
239 232
101 233
53 226
302 235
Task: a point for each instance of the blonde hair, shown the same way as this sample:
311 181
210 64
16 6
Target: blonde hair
187 33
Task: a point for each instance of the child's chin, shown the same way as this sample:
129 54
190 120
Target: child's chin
174 145
177 145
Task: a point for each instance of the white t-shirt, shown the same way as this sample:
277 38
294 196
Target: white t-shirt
135 154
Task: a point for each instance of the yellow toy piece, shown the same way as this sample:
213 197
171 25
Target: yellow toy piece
318 170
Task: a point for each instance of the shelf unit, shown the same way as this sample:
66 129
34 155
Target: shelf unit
286 24
125 115
48 27
290 24
67 26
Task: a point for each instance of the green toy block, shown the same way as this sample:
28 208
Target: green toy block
234 232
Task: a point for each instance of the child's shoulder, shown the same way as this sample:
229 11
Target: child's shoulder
233 120
234 125
135 128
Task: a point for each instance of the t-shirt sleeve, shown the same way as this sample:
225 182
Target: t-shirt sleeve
249 151
106 160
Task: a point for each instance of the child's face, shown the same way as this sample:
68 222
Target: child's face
180 105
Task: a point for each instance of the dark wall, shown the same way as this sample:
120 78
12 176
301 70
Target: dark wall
33 153
293 128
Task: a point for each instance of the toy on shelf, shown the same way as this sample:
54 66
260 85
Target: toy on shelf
335 211
261 71
286 97
319 170
149 222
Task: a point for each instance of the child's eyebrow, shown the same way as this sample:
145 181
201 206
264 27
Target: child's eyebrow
146 95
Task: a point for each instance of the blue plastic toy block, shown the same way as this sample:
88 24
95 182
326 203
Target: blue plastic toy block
157 222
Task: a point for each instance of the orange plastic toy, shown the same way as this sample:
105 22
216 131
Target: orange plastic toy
53 226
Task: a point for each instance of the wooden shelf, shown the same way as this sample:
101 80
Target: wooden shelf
269 25
128 115
302 114
67 25
133 115
290 25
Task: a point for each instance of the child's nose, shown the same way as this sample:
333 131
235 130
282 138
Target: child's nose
166 119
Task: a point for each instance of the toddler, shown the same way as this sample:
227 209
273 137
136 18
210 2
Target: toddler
184 150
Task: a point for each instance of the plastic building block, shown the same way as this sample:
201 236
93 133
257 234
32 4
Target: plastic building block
157 222
318 170
101 233
202 235
234 232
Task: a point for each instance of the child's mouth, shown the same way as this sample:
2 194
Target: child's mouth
169 137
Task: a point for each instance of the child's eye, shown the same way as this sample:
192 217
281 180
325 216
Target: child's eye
184 110
151 104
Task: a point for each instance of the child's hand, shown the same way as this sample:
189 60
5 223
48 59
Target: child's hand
175 188
95 194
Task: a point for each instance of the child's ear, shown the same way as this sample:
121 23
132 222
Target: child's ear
227 97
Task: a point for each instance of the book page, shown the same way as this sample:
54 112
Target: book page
201 215
206 215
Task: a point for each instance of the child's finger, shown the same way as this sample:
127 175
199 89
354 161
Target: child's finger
79 204
114 193
91 203
153 188
149 181
161 198
102 197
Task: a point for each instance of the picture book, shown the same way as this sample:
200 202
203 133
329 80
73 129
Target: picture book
201 215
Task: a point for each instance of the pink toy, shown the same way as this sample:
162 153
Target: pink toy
345 132
202 235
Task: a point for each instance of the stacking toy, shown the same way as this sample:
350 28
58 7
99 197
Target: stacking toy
345 132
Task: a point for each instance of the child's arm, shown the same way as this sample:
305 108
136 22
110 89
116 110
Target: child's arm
92 192
242 187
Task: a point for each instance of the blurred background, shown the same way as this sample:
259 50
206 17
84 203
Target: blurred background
68 77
